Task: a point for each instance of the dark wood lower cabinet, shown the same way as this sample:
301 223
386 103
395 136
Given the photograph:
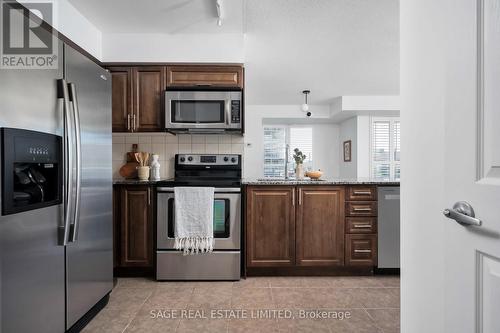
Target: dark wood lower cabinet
311 229
320 226
270 224
133 228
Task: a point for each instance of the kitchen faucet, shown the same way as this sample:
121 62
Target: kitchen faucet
287 153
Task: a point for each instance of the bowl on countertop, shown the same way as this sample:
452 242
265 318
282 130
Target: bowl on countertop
315 175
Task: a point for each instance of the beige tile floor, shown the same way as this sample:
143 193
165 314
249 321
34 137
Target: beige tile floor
369 304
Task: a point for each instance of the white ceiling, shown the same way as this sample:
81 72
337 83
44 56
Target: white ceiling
332 47
161 16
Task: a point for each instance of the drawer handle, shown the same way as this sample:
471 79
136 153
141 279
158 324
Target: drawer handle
362 193
362 226
362 251
367 209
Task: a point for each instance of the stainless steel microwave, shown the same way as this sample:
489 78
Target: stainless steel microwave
203 111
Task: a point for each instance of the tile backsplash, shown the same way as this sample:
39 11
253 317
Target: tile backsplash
167 145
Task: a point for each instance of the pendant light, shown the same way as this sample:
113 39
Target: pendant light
305 106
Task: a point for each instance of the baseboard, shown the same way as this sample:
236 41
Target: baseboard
80 324
309 271
133 272
387 271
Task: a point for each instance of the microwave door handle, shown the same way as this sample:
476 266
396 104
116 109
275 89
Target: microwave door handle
228 111
67 159
78 167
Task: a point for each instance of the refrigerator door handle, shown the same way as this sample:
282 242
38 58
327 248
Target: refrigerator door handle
67 158
78 167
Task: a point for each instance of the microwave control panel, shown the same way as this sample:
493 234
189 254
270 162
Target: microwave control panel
235 112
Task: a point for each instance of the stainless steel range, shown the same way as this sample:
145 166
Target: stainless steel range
223 172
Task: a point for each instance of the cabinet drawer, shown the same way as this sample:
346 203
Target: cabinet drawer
362 193
361 208
361 225
361 250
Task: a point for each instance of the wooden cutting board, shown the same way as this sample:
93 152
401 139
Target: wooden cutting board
129 170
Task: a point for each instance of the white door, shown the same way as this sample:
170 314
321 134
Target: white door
466 106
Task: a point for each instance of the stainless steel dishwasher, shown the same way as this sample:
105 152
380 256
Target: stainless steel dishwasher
388 227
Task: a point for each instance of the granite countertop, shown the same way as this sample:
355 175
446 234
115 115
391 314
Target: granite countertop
276 181
326 181
123 181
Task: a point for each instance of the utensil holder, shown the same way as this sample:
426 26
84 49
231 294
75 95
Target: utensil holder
143 172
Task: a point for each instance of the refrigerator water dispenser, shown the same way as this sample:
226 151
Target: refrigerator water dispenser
31 170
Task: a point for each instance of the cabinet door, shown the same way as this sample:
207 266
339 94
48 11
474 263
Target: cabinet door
136 227
121 79
320 226
208 76
270 225
149 88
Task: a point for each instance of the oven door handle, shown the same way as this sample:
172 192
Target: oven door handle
228 112
217 190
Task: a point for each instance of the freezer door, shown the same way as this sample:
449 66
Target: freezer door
89 258
31 261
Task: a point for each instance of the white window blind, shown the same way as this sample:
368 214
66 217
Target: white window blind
274 151
385 148
275 140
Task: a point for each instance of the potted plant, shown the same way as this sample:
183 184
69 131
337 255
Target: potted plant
299 158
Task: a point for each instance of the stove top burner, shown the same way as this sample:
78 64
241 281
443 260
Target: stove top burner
215 170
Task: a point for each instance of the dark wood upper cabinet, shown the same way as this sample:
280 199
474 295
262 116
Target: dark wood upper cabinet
205 76
121 79
320 226
138 90
270 226
136 227
137 97
149 88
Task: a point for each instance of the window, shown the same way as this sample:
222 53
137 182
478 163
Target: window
274 151
385 148
276 138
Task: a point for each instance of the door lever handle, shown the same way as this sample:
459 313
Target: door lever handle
463 213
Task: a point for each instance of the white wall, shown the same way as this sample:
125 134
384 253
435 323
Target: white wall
422 106
363 147
228 47
326 149
71 23
371 103
348 131
325 136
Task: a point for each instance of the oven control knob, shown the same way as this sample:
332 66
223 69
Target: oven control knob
190 158
233 159
226 158
183 159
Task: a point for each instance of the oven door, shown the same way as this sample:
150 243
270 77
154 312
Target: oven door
203 110
227 219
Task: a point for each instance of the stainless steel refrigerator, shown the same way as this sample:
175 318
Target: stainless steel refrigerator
56 261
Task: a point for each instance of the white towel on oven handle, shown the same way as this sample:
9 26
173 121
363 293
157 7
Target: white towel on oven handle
194 211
